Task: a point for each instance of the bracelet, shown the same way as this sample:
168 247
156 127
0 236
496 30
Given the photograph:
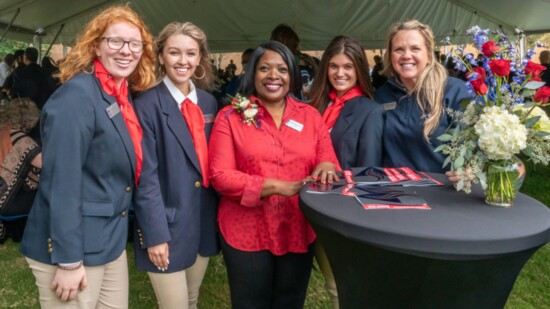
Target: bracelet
75 267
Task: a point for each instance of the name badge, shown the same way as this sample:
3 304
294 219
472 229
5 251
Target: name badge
294 125
209 118
113 110
390 105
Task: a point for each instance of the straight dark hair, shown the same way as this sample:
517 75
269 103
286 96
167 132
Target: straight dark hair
248 87
340 45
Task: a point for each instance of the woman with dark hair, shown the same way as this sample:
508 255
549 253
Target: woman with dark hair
263 149
76 234
174 203
342 92
21 160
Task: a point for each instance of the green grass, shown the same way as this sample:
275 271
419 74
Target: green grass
532 289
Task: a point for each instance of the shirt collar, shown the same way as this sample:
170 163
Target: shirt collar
178 95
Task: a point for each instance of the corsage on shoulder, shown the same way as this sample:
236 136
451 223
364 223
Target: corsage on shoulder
249 110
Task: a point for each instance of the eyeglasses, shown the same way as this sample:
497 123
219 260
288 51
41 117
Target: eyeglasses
118 43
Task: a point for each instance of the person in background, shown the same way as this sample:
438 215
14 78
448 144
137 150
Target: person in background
174 203
52 70
307 65
234 84
17 65
76 233
258 168
377 75
342 93
21 160
415 98
6 67
544 59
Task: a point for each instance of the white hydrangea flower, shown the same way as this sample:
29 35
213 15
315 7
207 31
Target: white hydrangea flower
501 135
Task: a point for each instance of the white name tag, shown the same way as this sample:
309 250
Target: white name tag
294 125
113 110
390 105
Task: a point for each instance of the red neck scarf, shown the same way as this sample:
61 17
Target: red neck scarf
332 112
109 85
195 121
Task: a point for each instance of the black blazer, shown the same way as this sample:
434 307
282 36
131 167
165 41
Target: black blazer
171 204
87 179
357 133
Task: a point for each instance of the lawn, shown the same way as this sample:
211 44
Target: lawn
532 289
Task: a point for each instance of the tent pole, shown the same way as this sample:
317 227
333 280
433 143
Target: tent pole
10 24
54 39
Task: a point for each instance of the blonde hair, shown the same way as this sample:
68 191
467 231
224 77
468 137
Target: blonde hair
81 57
19 114
191 30
430 86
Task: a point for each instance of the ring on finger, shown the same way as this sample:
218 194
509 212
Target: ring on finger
329 172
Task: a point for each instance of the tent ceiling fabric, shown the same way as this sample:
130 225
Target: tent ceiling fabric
233 25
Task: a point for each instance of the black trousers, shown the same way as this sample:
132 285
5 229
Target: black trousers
262 280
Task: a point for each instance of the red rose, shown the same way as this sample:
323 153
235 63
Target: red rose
500 67
489 48
542 94
534 69
479 84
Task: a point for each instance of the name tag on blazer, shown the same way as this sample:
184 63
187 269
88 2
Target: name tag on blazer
209 118
113 110
389 106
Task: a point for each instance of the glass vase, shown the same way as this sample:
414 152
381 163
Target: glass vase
504 178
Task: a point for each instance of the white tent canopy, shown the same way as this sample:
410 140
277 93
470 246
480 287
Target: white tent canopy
233 26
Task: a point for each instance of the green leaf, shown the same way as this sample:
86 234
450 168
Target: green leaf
534 85
440 147
528 151
542 133
528 105
529 123
459 161
447 161
460 185
445 137
464 103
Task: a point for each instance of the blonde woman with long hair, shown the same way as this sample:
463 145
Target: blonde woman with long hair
76 233
415 98
175 205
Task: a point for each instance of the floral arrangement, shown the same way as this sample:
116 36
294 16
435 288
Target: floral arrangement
250 112
503 120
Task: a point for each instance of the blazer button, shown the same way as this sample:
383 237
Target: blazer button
197 184
50 250
128 189
123 214
49 240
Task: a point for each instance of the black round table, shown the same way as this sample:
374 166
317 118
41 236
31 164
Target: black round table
461 253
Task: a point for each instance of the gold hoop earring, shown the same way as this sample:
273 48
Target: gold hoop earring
203 72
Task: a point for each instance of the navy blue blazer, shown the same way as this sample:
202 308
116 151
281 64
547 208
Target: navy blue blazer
357 133
86 183
171 204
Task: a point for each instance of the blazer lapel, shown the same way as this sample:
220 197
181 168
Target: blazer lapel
344 120
178 126
121 128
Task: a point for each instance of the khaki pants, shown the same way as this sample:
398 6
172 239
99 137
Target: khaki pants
179 289
107 286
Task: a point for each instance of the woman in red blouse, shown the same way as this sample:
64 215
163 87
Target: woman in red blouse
259 159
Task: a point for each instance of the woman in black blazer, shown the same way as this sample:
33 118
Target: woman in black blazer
175 206
342 92
76 233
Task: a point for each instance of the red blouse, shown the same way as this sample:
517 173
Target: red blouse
243 156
